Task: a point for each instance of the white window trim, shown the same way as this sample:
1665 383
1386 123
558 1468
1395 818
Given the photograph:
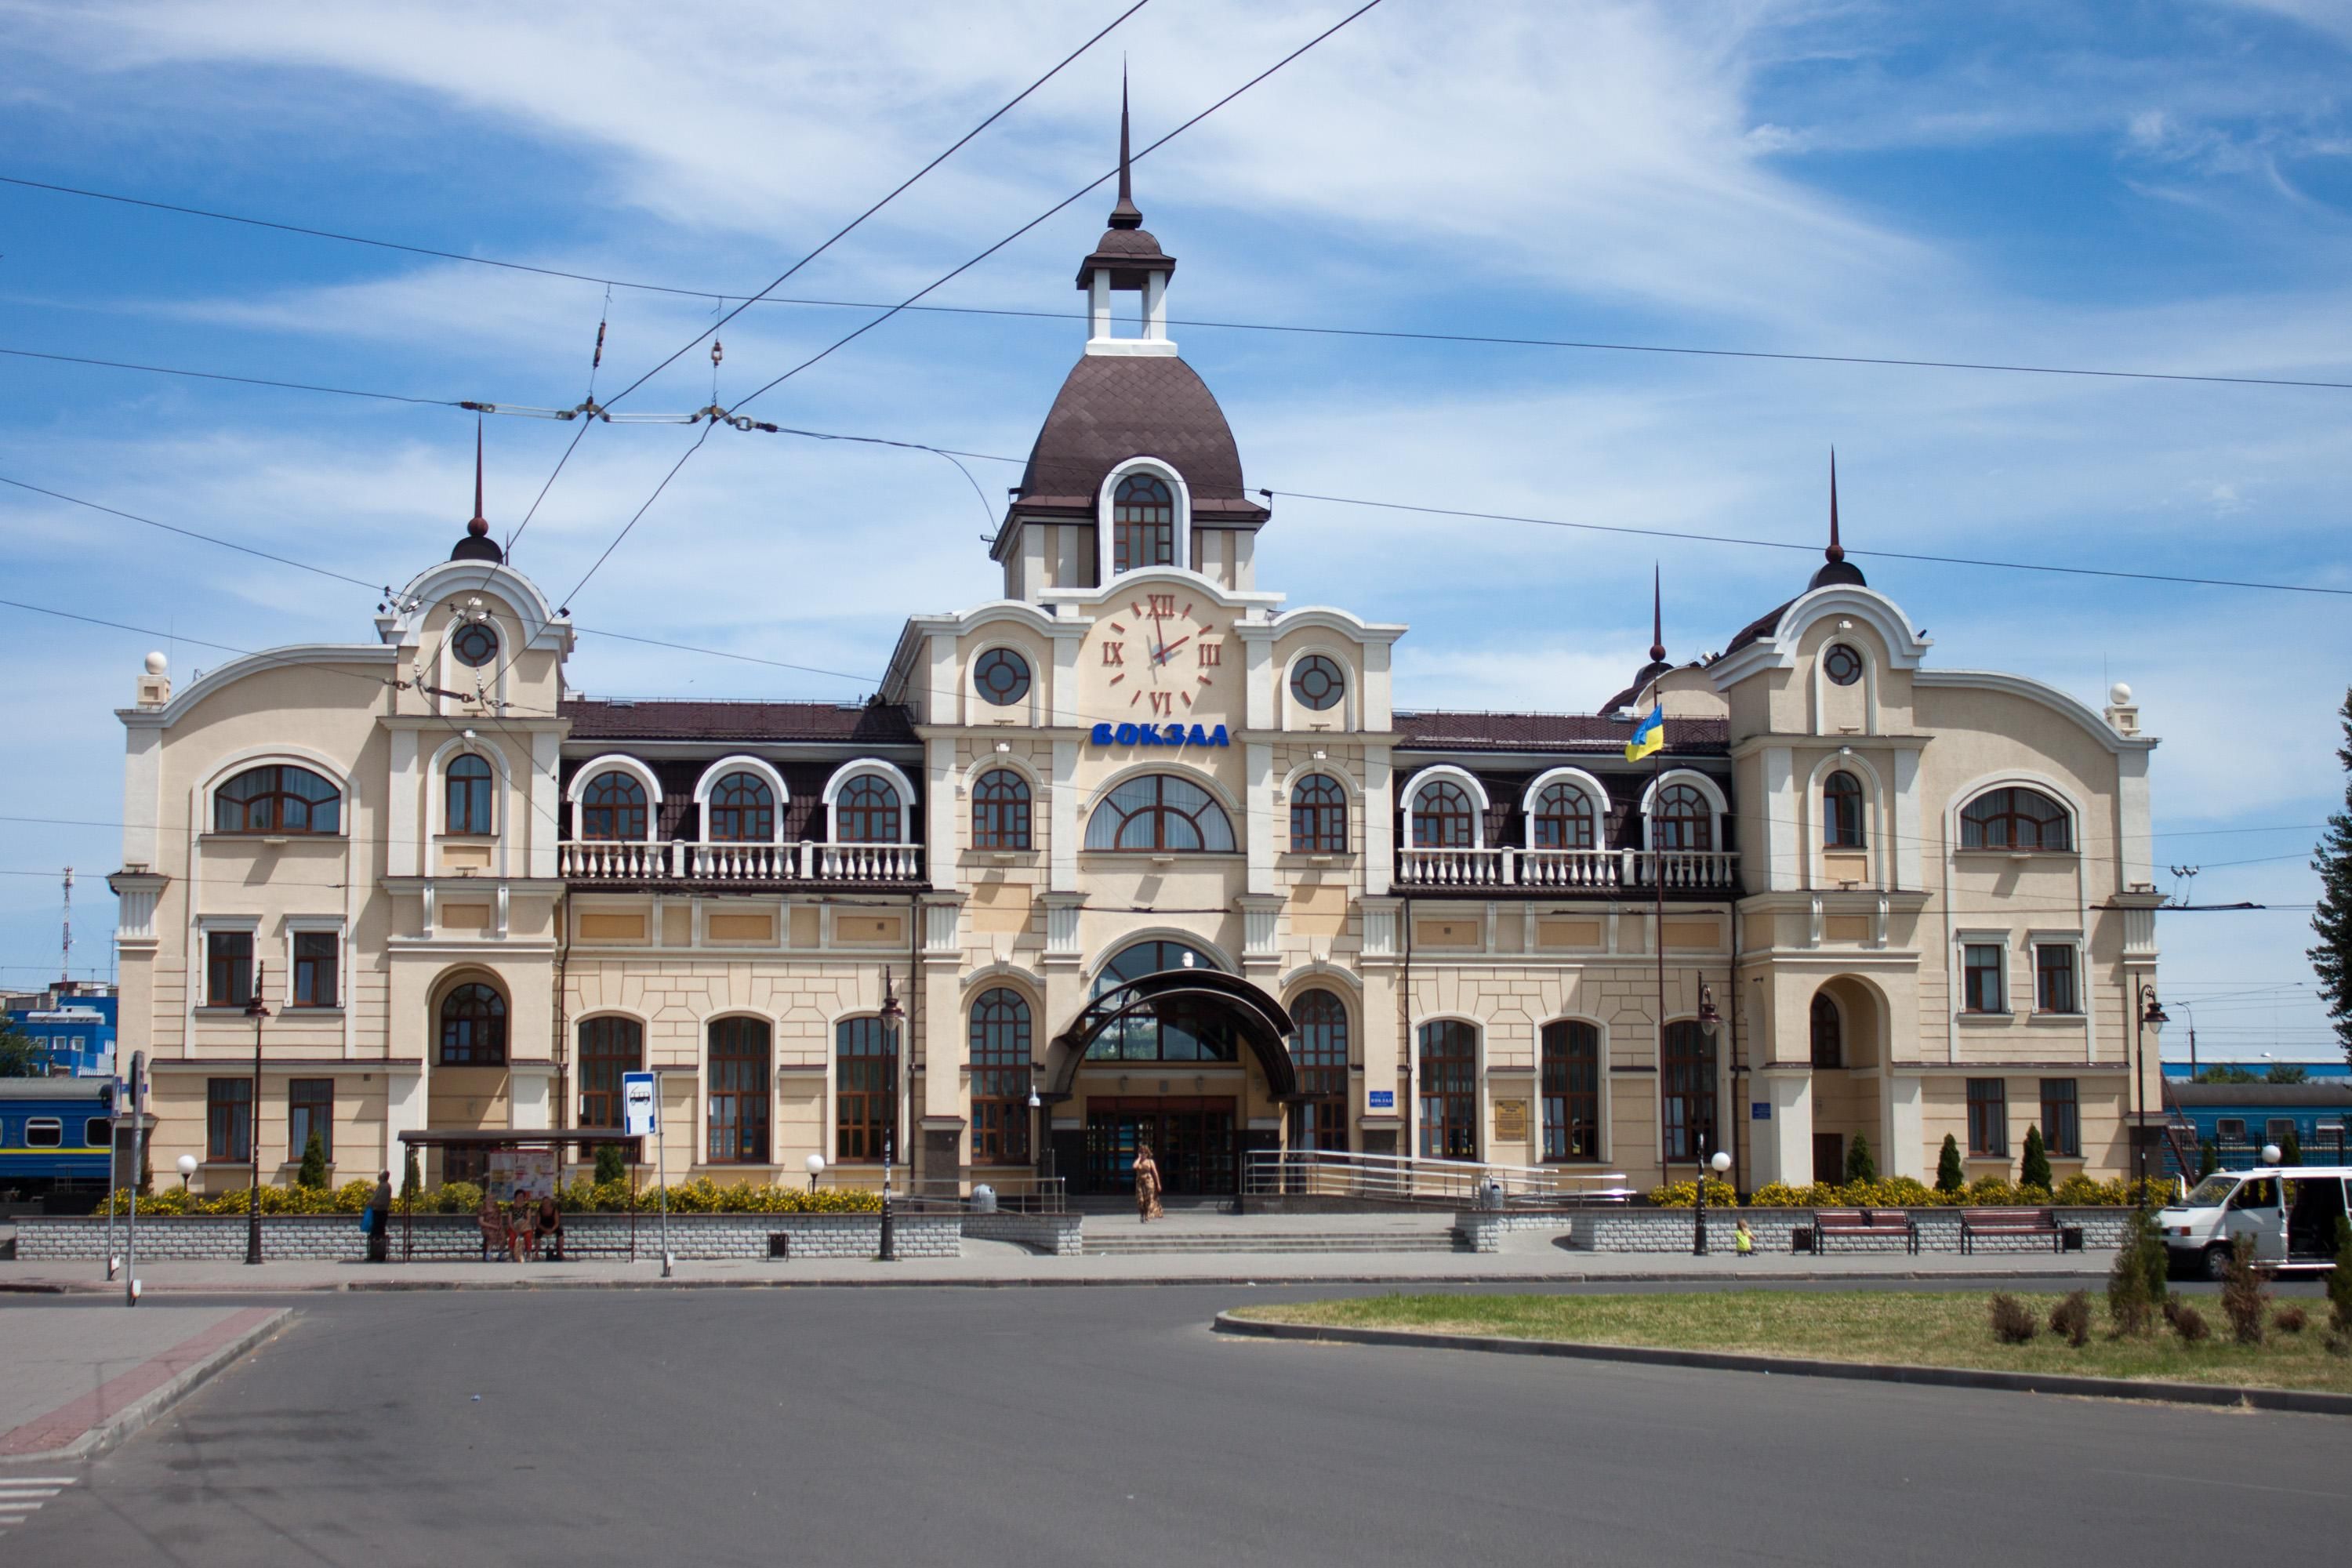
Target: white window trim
1822 685
618 762
1343 716
1180 527
1449 773
2071 940
718 771
873 767
1601 1154
437 806
1698 781
1961 942
314 924
200 969
1023 708
1596 800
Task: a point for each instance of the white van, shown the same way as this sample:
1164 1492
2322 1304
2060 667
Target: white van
2291 1212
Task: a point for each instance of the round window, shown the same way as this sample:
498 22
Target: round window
1842 664
475 644
1318 683
1002 677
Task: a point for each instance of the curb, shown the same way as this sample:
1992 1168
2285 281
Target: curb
122 1423
2306 1401
374 1286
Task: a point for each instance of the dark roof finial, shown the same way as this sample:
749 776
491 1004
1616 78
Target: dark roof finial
1657 616
477 544
1126 215
1836 568
1836 551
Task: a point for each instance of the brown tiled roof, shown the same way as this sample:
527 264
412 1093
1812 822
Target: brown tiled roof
1590 732
1757 630
1112 407
607 719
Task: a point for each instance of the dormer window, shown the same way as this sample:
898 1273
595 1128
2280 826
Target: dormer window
475 645
1562 819
1842 665
1143 523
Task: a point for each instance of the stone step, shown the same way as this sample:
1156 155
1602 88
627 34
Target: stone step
1273 1242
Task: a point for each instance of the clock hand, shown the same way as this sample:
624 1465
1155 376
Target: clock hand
1167 648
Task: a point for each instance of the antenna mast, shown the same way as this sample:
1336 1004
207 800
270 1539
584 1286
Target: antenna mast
65 955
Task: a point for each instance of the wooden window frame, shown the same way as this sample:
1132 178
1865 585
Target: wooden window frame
1444 815
865 1090
1844 801
1324 669
2063 979
740 1077
485 1007
309 1108
2061 1116
609 1045
228 976
269 796
1321 1050
1682 820
1319 816
316 974
995 689
1446 1073
1571 1086
1563 819
1977 979
1997 819
615 799
1143 523
1831 1054
741 812
228 1121
1000 811
1200 820
468 797
1688 1092
1988 1118
1001 1042
867 810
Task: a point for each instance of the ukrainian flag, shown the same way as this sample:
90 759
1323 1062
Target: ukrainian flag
1649 736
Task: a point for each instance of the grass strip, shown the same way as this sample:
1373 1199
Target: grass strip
1903 1328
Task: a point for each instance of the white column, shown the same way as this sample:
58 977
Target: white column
1258 813
1783 837
1905 830
142 796
1781 1148
1155 306
1098 303
404 854
546 754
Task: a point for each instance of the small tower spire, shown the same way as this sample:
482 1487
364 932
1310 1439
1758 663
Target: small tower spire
1126 215
1835 568
1657 616
1836 551
477 544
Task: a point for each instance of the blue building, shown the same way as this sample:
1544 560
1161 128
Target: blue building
74 1027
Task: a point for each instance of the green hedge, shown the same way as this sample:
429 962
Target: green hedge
700 1195
1904 1193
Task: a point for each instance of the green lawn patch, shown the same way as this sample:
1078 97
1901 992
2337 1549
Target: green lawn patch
1908 1328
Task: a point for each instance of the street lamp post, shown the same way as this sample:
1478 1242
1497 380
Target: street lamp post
1709 1023
256 1010
187 1169
891 1015
815 1169
2148 1018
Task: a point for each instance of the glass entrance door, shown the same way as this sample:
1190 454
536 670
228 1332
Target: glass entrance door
1191 1139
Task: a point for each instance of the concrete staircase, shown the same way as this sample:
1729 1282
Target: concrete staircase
1114 1237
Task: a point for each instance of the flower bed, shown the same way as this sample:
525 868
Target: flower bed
700 1195
1904 1193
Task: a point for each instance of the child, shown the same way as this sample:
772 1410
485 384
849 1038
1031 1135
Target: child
1743 1240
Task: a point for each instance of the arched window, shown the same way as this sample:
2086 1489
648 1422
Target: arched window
864 1089
1829 1032
1449 1091
866 811
1319 816
473 1027
475 645
1174 1029
1319 1121
737 1123
1002 676
468 794
612 808
1687 1077
277 798
1000 1078
1681 818
1572 1091
2015 818
1842 811
1159 812
1318 683
608 1047
1000 810
742 810
1444 816
1143 523
1563 818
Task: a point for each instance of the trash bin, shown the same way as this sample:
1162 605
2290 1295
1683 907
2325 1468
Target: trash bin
983 1199
1490 1195
2070 1238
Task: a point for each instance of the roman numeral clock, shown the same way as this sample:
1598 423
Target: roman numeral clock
1158 659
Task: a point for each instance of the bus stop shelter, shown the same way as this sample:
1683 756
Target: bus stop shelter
489 1139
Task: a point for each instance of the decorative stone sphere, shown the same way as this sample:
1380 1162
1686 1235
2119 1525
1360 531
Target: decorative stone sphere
157 664
2119 694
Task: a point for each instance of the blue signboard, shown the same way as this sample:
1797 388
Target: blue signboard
1159 736
1760 1111
1382 1099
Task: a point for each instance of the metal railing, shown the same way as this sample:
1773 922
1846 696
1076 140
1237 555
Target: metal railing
1600 871
1398 1178
683 861
1017 1192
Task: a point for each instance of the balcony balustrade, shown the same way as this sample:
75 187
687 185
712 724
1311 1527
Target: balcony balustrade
680 860
1571 870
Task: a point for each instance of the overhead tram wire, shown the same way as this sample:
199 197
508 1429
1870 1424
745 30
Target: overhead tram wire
959 270
1475 338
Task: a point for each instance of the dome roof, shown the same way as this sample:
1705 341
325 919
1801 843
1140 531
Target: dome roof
1113 407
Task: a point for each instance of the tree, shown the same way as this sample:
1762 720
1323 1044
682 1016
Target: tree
411 1183
2136 1284
2331 919
610 1165
2290 1148
2339 1281
1859 1165
2226 1075
2208 1158
2035 1172
1949 1176
2284 1072
313 1173
20 1057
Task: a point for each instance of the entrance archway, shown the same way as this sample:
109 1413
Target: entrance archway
1123 1058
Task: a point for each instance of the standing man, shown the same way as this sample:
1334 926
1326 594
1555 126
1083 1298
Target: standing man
380 1225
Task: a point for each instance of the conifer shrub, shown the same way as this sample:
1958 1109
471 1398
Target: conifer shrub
2187 1321
313 1173
2243 1297
1859 1165
2291 1319
1949 1175
2291 1149
2134 1289
2339 1281
2011 1323
2070 1320
2208 1158
611 1166
2034 1171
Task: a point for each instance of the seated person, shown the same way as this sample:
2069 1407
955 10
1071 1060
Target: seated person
522 1236
493 1222
550 1220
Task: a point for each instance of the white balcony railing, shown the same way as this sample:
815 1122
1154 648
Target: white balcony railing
1570 870
585 860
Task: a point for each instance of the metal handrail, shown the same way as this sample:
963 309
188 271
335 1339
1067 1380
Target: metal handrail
1399 1178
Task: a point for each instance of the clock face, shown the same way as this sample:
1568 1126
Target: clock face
1158 659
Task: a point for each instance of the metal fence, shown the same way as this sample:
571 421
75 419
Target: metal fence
1454 1183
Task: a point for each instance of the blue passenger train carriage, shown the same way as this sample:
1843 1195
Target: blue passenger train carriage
56 1135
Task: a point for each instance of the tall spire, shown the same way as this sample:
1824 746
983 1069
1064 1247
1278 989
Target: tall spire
1126 215
1657 616
477 544
1836 551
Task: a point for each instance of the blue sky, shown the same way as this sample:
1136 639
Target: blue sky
2161 186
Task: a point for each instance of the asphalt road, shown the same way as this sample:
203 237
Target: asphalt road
1045 1426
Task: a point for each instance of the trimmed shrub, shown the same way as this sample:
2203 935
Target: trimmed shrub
2291 1319
2208 1158
2187 1321
2070 1320
1987 1192
2291 1149
1674 1196
2011 1323
411 1183
2339 1281
2034 1170
1859 1166
1949 1176
610 1164
2242 1295
2132 1294
313 1173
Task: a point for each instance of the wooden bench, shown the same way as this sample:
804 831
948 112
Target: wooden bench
2032 1224
1864 1224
